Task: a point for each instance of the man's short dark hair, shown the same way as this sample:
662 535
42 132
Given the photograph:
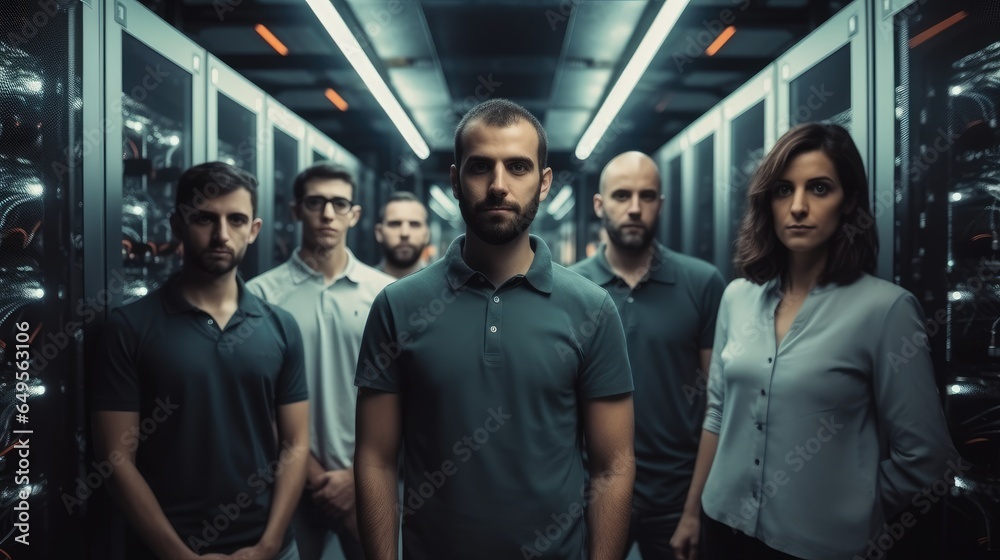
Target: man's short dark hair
501 113
853 248
399 196
326 171
209 180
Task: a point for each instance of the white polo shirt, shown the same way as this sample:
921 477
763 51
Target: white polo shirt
332 319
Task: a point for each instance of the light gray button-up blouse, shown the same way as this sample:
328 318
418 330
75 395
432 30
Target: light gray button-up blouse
826 435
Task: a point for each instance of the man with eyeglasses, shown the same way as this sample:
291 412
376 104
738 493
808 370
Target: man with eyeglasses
329 292
668 303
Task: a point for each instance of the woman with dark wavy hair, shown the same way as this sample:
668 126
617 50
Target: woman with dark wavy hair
823 419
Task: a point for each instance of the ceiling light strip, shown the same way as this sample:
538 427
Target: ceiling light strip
644 53
270 39
348 44
721 40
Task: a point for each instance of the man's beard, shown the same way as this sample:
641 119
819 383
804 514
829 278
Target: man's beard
399 259
501 228
632 242
216 266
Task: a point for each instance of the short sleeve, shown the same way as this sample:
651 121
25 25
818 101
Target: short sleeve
291 384
716 374
256 287
115 382
606 370
378 360
710 298
909 408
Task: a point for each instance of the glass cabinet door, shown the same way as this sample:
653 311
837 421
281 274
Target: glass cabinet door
286 167
703 180
237 146
823 92
673 213
156 148
746 150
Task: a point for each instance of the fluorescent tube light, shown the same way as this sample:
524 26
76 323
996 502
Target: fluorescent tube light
644 53
348 44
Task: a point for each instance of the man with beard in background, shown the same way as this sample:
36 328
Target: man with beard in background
200 395
668 303
493 366
403 234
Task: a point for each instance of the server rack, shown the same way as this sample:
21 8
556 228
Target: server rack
939 72
42 147
285 139
701 144
671 177
824 78
155 110
235 109
746 134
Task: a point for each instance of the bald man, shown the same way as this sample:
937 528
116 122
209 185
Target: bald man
667 302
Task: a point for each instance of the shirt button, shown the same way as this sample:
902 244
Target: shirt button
210 322
756 461
769 360
762 393
496 299
759 427
630 299
755 495
493 328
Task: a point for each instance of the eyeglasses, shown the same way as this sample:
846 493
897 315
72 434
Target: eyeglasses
318 203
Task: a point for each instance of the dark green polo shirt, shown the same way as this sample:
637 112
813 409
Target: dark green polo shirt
207 400
668 318
491 380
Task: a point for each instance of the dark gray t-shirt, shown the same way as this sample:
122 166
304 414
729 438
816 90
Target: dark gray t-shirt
668 319
492 381
207 400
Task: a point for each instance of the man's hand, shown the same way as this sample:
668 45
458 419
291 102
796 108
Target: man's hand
335 493
259 551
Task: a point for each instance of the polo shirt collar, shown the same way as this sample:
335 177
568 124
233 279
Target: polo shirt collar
662 268
174 301
301 271
539 274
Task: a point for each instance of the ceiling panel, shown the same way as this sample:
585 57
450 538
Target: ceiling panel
614 22
564 127
418 88
580 88
395 29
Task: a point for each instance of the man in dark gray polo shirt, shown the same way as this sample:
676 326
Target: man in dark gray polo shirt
200 396
493 366
668 303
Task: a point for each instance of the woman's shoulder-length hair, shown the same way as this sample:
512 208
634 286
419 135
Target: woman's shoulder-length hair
760 256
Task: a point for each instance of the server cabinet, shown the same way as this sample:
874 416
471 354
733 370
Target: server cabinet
824 78
747 133
42 146
938 103
155 110
235 110
287 156
701 173
671 179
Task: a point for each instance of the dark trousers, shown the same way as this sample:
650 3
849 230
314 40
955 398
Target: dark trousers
314 533
652 532
721 542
